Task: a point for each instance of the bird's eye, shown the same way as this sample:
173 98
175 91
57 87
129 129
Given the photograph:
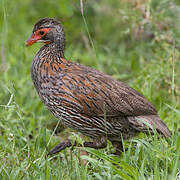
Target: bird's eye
41 32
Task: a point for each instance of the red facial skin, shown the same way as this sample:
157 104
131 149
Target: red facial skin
36 36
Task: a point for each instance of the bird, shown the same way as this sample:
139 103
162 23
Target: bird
85 99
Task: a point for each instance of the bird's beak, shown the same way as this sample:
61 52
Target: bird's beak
33 39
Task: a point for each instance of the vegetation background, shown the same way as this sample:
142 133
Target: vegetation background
136 41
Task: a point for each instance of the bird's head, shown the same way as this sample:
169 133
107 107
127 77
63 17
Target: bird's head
47 30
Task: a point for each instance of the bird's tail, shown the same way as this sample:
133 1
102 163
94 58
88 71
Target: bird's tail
150 122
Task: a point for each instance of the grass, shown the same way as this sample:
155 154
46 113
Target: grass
134 41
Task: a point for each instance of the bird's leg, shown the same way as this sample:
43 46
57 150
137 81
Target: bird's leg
96 144
119 147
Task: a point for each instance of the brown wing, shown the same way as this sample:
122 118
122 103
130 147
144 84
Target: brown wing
96 94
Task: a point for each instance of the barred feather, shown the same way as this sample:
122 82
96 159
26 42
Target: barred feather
88 100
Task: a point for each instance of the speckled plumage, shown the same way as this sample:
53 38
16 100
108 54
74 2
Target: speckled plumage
88 100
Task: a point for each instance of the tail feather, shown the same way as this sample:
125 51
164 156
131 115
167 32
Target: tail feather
150 122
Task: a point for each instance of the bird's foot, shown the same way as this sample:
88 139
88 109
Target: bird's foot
63 145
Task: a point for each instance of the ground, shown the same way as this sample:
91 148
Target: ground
135 41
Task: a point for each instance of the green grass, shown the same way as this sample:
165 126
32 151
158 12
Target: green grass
141 48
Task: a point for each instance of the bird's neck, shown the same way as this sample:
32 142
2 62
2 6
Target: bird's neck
48 60
51 52
55 49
